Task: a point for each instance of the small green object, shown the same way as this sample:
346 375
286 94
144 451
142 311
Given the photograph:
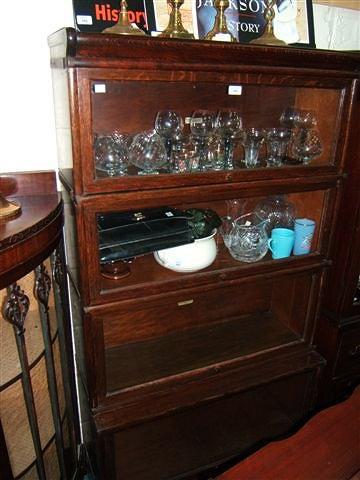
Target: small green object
202 221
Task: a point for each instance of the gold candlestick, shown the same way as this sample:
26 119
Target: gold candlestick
8 209
175 28
123 25
220 30
268 37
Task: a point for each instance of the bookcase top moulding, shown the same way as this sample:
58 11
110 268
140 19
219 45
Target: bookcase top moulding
88 50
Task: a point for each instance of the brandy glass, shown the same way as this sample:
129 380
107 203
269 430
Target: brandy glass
305 119
306 146
147 152
111 154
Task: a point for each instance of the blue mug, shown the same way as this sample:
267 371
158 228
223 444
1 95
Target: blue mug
281 242
304 229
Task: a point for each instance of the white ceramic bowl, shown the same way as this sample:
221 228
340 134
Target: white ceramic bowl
190 257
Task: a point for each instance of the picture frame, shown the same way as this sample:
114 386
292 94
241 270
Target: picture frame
293 20
96 16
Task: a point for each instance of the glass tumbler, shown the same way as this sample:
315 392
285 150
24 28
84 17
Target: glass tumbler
277 141
253 140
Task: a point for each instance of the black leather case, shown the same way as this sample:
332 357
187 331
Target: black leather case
125 235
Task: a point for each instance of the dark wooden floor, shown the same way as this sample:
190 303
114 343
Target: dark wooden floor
327 447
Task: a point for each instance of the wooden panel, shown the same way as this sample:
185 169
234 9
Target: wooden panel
353 4
348 360
185 310
326 105
171 354
294 310
28 183
259 106
202 436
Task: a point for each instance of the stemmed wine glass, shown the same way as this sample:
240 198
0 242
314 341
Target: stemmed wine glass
169 125
202 124
252 141
229 124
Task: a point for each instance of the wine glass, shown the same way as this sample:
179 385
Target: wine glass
229 124
277 141
202 124
288 117
306 146
252 142
111 154
147 152
168 124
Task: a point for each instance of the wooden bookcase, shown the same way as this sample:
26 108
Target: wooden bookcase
186 370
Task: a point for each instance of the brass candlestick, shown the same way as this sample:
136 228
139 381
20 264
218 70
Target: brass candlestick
8 209
268 37
220 29
123 25
175 28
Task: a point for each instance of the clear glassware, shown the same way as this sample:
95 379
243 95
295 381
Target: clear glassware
216 153
229 125
147 152
305 119
169 125
288 117
306 146
247 241
234 209
185 155
111 154
252 142
277 141
202 124
277 211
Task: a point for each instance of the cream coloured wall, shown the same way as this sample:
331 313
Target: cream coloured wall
26 104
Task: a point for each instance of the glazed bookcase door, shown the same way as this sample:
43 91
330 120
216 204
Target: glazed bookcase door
146 275
126 102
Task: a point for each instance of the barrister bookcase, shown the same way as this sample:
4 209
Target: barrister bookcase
185 371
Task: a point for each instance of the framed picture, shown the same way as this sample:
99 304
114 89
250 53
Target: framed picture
95 16
293 20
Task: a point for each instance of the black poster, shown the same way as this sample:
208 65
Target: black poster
95 16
